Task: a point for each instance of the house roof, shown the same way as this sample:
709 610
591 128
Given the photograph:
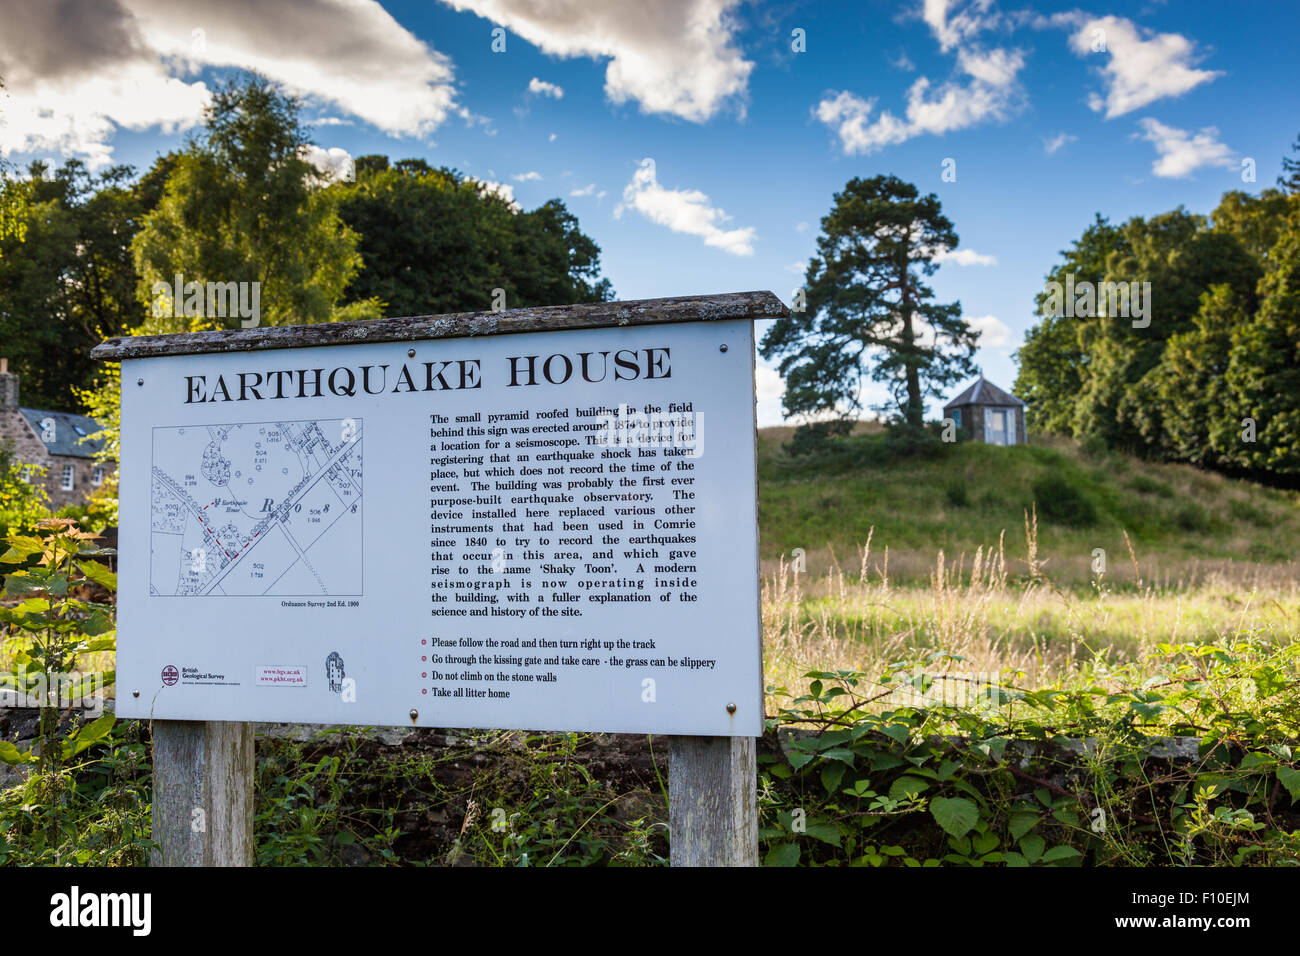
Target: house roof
68 430
984 393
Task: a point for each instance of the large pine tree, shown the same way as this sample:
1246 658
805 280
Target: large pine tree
869 314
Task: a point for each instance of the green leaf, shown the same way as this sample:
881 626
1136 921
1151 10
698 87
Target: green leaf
905 788
1032 846
956 815
832 774
87 735
99 574
21 548
1021 823
1060 853
98 622
783 854
12 755
798 758
826 832
1290 779
841 754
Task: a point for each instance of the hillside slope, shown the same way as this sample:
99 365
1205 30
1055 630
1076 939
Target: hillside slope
1184 524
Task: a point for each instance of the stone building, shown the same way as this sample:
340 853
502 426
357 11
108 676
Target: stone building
986 413
52 440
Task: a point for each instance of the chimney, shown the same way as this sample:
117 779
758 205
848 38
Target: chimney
8 386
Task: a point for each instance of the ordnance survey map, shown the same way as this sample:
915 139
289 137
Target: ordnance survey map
263 508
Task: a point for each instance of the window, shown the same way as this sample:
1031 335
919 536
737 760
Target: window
68 478
97 476
27 473
956 417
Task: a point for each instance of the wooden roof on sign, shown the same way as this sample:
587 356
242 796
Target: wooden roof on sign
594 315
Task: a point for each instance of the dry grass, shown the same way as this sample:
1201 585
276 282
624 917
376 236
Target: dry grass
998 621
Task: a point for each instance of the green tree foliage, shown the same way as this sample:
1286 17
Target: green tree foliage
868 306
66 277
1213 378
410 215
241 204
13 203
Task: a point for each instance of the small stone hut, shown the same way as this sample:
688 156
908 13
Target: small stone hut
986 413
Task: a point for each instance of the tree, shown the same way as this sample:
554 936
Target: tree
1052 358
1290 178
69 282
1212 376
434 241
242 205
866 303
13 204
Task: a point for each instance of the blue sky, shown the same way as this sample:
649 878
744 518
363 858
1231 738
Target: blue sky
1048 113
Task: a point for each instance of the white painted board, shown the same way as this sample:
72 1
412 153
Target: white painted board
293 552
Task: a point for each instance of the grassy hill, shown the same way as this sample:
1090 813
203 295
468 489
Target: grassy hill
1185 525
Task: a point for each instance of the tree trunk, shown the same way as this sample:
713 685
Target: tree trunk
914 413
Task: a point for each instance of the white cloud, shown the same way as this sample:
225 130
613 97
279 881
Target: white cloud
994 333
588 190
798 268
1054 143
683 210
801 227
675 57
768 389
902 62
551 138
1139 71
531 176
542 88
489 187
964 257
989 94
952 22
79 70
1179 152
334 163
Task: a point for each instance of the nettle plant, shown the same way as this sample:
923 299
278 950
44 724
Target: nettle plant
55 623
1067 776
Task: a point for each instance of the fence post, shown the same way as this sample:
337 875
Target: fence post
202 793
713 801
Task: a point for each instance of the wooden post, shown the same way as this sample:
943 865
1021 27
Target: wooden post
713 801
202 793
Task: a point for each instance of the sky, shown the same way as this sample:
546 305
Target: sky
700 142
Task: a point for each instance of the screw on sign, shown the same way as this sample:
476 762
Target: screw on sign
170 675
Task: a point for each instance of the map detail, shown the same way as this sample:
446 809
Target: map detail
264 508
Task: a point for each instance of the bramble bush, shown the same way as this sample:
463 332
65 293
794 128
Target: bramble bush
1065 776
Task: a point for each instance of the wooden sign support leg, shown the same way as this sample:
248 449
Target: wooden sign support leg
202 793
713 801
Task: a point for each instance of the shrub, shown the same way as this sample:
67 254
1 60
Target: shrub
1149 486
1192 517
1060 502
816 438
955 492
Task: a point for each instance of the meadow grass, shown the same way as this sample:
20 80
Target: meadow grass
1017 625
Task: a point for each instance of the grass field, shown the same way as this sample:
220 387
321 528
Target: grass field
952 553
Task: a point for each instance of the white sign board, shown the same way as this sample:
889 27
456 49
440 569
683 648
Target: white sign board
550 531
